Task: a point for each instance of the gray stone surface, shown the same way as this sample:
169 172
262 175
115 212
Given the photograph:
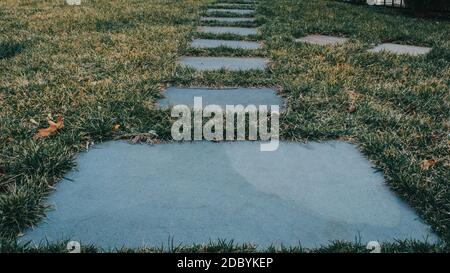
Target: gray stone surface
192 192
234 5
245 1
227 19
233 11
401 49
322 40
229 63
221 97
243 31
207 43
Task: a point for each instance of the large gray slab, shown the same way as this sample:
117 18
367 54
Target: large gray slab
207 43
227 19
243 31
229 63
221 97
192 192
322 40
233 11
401 49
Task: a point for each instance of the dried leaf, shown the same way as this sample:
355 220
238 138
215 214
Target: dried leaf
53 127
351 108
353 97
116 127
427 163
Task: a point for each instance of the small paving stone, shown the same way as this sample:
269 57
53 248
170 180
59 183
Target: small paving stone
237 5
227 19
221 97
244 1
206 43
233 11
243 31
322 40
401 49
229 63
194 192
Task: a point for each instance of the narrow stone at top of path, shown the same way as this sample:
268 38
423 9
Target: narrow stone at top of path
227 19
233 11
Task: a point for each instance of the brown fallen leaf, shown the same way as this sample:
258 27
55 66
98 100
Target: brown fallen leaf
427 163
353 97
116 127
351 108
53 127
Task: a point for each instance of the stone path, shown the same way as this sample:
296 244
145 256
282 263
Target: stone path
221 97
313 193
322 40
229 63
193 192
325 40
232 11
227 19
210 43
401 49
243 31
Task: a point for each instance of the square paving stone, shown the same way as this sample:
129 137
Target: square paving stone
233 11
243 31
206 43
227 19
193 192
401 49
229 63
221 97
322 40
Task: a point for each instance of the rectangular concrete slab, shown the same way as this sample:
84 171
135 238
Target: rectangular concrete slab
233 5
207 43
227 19
243 31
221 97
241 1
322 40
233 11
229 63
135 195
401 49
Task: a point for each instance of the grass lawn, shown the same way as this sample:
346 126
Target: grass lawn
104 64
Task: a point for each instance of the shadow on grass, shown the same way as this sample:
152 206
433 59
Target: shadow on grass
10 49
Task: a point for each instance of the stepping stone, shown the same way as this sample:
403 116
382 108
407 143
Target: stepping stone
243 31
206 43
193 192
401 49
238 5
244 1
322 40
233 11
221 97
229 63
227 19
